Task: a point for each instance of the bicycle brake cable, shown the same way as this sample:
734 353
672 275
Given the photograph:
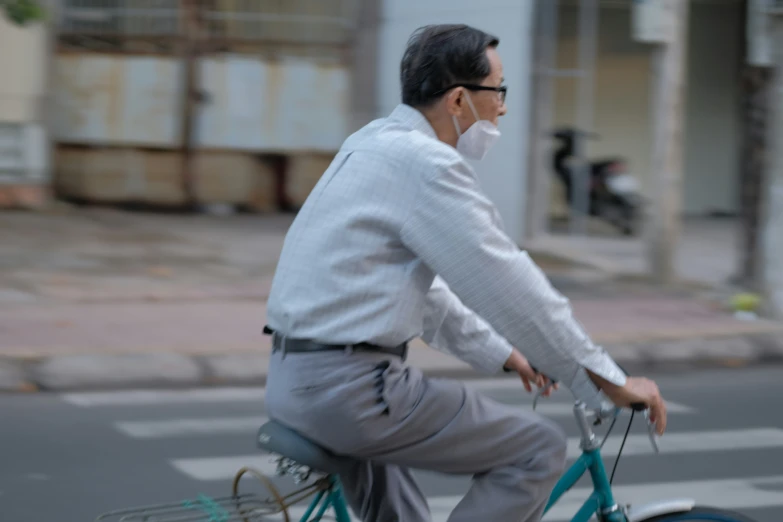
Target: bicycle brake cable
608 431
622 444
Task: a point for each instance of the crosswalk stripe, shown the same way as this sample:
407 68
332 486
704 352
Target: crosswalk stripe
257 394
690 442
223 394
148 397
251 423
732 494
186 427
239 425
224 468
239 394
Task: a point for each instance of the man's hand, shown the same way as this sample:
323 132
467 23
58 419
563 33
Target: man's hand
636 390
519 364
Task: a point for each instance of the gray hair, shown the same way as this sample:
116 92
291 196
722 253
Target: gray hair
438 56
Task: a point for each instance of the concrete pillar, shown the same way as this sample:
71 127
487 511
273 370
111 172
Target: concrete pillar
772 212
364 60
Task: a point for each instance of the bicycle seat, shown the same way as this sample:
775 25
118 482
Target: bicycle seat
273 437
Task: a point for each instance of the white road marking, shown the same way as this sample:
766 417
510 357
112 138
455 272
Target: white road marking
186 427
247 424
690 442
224 468
731 494
560 402
147 397
224 394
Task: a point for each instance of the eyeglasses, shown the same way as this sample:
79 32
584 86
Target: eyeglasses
473 87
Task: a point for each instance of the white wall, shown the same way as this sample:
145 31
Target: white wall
503 171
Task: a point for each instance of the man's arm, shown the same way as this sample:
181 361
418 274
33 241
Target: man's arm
451 327
454 228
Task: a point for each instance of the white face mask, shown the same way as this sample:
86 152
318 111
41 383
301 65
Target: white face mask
479 137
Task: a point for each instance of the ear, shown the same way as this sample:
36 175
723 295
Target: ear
455 101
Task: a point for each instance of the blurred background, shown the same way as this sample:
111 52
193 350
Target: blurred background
154 152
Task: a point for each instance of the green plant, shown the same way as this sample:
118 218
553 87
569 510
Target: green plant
22 12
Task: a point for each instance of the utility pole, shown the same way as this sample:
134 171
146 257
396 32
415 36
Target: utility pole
758 75
665 23
771 268
190 29
757 86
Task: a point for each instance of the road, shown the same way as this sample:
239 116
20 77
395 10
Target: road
70 457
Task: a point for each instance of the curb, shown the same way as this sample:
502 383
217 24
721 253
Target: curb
87 372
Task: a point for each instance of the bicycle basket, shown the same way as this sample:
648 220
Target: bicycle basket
239 508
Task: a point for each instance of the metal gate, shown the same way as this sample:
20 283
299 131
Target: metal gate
172 74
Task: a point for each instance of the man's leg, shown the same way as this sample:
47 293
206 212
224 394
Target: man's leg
379 410
523 472
515 460
384 493
307 394
515 457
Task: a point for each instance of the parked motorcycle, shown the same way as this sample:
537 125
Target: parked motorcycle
614 194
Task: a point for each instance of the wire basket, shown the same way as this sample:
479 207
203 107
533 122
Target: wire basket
237 507
243 508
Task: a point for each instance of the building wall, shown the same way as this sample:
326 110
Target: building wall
503 171
118 125
253 104
623 85
23 70
23 141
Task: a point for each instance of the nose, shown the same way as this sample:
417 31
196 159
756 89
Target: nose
503 109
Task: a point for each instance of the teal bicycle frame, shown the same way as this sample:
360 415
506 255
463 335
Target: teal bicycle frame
329 497
600 502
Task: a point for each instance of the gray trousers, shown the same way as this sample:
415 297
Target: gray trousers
378 409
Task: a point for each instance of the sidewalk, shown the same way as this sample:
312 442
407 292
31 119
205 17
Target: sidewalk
706 253
113 300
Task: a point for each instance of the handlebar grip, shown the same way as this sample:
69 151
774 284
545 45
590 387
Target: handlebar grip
538 372
509 370
636 406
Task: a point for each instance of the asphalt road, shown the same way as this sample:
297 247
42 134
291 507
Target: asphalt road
71 457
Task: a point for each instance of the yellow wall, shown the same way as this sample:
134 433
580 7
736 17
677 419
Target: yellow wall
622 99
22 71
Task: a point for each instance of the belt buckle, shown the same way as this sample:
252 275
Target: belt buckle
275 337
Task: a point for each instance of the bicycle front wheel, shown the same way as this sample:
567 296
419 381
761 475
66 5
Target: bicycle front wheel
701 514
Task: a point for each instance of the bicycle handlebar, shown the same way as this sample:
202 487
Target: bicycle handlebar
637 406
608 411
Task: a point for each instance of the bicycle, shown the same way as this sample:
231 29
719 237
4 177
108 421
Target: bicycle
300 458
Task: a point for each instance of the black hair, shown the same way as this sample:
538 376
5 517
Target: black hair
438 56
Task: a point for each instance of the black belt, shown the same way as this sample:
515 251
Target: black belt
306 346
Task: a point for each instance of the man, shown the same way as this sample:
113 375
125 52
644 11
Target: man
397 240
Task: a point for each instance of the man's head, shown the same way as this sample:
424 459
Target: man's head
444 69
